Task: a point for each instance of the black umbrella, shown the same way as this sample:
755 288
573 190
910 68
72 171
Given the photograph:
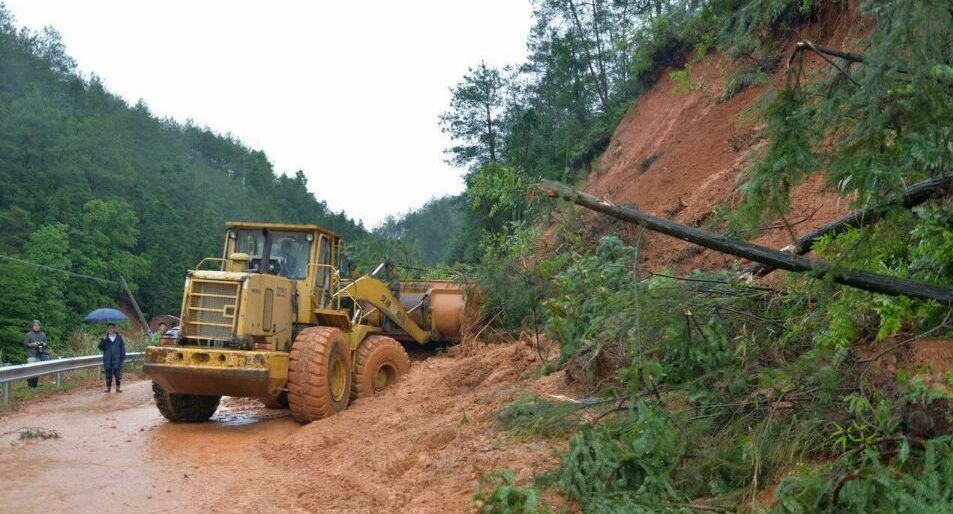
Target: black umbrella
105 316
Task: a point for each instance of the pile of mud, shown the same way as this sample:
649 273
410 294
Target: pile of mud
423 446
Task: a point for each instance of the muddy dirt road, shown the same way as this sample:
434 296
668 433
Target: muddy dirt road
420 447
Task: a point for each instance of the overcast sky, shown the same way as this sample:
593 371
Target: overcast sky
349 92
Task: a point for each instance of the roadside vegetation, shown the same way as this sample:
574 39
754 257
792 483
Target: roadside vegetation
705 392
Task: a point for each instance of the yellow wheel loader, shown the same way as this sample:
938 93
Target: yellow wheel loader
277 318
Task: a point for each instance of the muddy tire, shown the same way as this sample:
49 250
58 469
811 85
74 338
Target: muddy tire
379 362
184 408
319 374
278 403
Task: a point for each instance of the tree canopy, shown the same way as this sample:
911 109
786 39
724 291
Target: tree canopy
98 187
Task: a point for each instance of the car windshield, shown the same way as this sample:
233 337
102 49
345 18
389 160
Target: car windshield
289 251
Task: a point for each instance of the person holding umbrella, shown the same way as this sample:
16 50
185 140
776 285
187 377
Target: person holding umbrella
114 353
112 344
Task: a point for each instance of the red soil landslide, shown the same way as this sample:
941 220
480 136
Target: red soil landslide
419 447
678 154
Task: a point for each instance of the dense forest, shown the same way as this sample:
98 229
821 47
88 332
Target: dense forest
104 189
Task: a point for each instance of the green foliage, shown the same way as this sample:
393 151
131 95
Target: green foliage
683 81
497 192
918 479
426 232
473 118
16 311
49 245
752 32
787 162
508 285
588 295
535 416
904 244
103 245
497 494
736 369
622 460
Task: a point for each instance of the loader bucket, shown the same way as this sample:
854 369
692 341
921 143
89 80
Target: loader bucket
438 306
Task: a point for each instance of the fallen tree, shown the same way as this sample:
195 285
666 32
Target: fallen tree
865 280
908 198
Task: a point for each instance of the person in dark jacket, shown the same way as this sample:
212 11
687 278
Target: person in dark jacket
114 353
35 344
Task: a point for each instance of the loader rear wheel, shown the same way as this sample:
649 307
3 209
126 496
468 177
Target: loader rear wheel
319 378
380 361
184 408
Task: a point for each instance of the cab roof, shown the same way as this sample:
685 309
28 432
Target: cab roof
246 225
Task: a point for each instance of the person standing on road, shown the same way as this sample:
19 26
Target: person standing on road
114 353
35 343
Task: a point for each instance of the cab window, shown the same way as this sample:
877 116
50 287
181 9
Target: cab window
289 251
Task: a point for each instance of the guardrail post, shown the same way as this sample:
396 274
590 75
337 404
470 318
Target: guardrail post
9 374
99 371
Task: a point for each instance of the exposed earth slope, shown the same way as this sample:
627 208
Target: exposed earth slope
679 150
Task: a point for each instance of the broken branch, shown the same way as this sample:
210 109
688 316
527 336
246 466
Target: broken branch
865 280
910 197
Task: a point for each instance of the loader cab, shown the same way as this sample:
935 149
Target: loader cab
304 254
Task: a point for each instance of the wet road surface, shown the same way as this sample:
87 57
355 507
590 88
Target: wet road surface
115 453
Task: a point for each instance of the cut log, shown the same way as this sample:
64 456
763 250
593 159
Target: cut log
865 280
908 198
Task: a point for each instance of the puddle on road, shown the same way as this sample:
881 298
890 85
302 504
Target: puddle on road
240 418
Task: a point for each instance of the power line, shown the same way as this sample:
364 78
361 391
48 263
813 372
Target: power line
50 268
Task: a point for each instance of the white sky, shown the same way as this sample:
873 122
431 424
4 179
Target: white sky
349 92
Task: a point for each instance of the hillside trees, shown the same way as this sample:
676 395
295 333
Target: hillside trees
49 245
103 244
473 118
135 195
586 61
426 231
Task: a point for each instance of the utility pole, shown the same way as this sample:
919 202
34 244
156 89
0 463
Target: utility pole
135 304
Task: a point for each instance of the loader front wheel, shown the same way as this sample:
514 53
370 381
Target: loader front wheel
319 378
379 362
184 408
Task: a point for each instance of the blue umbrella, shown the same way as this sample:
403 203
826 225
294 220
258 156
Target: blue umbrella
105 316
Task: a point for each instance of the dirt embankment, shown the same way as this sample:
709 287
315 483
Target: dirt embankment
423 446
420 447
678 152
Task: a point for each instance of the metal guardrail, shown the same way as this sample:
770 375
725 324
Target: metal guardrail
9 374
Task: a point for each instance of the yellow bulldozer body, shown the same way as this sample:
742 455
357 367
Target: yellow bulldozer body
218 372
238 322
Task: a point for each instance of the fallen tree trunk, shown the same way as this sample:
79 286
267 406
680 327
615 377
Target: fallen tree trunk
792 262
909 197
821 49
